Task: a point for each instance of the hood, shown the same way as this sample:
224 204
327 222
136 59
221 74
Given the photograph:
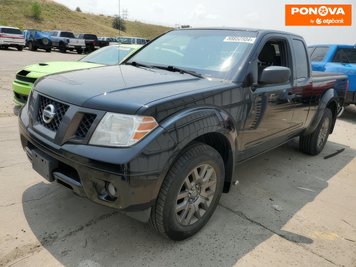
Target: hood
122 89
45 68
40 35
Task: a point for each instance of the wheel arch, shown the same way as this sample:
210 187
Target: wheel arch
211 126
328 100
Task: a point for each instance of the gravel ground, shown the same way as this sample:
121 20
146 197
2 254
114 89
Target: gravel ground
288 209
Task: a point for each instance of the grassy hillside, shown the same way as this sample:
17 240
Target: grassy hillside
56 16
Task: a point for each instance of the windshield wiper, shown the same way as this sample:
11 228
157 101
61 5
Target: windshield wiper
180 70
169 68
137 64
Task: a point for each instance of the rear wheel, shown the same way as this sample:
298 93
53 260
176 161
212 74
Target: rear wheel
48 50
189 193
62 48
20 48
314 143
79 51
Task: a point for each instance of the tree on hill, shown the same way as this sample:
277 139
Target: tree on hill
78 9
119 24
36 11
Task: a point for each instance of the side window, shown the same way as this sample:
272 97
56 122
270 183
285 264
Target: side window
301 60
319 53
273 53
345 55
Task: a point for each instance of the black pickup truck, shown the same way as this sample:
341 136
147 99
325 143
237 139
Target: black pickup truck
160 136
91 42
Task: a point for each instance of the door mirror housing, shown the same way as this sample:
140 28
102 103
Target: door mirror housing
275 75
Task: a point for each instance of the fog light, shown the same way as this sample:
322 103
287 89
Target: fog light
111 190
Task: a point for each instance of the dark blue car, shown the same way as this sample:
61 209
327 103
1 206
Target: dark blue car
36 39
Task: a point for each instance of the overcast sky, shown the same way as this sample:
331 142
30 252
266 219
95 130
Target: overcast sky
267 14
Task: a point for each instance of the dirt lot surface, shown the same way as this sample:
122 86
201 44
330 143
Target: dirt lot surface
288 209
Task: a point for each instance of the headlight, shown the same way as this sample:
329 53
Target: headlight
122 130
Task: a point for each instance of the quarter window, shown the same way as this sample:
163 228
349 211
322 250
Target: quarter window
301 60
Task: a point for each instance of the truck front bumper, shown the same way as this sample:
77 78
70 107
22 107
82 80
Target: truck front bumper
134 193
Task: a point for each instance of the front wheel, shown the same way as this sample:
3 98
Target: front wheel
189 193
314 142
79 51
20 48
31 46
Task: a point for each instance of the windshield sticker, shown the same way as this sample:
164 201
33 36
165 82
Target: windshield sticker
239 39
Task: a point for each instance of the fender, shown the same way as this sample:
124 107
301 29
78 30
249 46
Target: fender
188 125
327 98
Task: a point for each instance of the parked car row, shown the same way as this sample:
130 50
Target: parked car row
61 40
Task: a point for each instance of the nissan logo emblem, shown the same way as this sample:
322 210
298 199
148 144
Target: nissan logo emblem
48 113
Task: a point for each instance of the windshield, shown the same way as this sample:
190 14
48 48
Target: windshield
109 55
11 31
67 34
211 53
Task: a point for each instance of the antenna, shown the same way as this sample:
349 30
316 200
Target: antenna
119 18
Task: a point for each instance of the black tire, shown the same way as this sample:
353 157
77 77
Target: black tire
314 143
20 48
80 51
48 50
62 48
170 215
31 46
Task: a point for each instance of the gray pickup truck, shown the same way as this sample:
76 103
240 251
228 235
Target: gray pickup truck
160 136
67 41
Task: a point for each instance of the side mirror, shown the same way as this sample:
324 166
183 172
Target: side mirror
275 75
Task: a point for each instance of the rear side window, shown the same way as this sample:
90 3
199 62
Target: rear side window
11 31
301 60
319 53
90 37
345 55
67 35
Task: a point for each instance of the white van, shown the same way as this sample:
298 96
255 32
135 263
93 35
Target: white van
11 37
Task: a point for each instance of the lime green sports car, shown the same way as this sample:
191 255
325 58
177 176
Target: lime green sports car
109 55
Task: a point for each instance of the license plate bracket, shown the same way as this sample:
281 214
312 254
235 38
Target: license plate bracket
43 164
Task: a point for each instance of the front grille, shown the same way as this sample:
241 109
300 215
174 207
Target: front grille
85 125
60 110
